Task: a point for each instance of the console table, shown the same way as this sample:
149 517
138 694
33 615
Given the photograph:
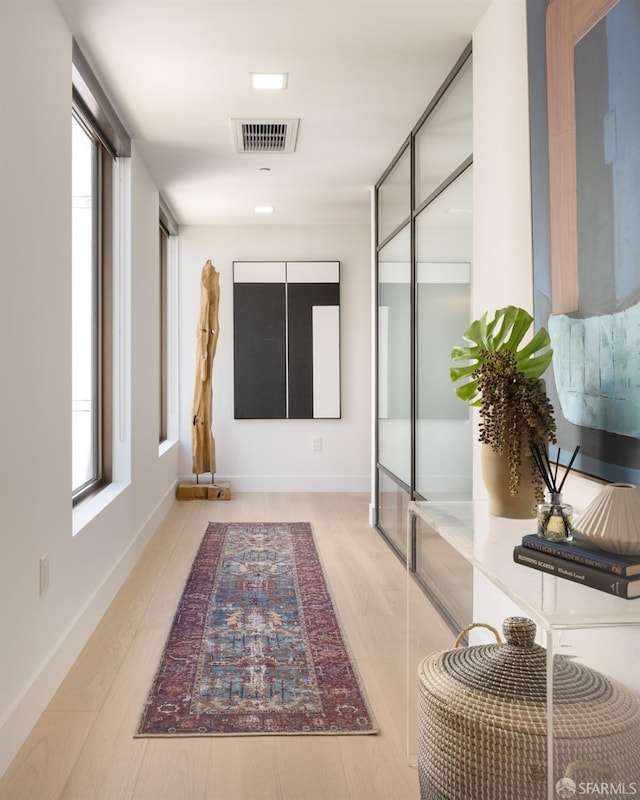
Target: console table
600 630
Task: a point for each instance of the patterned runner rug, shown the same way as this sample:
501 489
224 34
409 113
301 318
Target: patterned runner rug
255 646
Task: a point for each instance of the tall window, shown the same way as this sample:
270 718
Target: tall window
163 349
86 296
168 232
97 140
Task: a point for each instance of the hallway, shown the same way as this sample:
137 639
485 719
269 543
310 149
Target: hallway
83 748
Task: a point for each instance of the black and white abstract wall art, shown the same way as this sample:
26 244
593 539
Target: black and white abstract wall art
286 326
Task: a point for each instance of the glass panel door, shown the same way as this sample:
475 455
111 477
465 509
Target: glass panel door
394 355
444 244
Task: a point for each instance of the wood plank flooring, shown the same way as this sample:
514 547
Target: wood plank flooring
82 748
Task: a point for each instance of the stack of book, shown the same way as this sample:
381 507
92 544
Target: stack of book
582 562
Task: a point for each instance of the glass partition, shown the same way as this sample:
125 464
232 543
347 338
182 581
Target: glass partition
444 141
424 249
392 512
394 355
444 248
394 197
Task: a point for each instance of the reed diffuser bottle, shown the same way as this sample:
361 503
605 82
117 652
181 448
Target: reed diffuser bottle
555 518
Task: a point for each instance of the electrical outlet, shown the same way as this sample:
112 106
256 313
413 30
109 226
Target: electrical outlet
316 443
44 573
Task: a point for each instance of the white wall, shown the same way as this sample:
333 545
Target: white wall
42 635
503 266
276 455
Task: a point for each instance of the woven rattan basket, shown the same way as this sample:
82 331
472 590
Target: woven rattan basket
482 719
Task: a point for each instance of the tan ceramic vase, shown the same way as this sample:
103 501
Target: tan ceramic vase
495 472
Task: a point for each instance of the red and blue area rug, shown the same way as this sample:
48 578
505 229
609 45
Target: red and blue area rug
255 646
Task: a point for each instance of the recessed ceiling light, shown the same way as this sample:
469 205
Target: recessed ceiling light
268 80
264 209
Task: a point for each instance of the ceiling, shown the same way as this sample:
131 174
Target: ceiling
360 74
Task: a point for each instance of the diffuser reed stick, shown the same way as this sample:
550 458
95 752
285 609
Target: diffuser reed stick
548 471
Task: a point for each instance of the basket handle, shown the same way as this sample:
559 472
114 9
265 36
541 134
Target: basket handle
473 625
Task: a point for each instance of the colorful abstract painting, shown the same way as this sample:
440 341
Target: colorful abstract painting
585 117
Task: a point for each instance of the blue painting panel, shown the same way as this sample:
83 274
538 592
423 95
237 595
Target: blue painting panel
594 381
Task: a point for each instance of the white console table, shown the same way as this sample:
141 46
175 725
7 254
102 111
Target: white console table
600 630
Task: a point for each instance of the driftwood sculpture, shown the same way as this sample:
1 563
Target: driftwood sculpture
202 440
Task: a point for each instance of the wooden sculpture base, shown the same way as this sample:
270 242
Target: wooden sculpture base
221 490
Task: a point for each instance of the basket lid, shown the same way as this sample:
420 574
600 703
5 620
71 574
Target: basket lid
507 684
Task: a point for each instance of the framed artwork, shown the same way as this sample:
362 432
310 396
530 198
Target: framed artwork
286 336
585 167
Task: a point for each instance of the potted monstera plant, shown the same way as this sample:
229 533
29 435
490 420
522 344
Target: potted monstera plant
501 375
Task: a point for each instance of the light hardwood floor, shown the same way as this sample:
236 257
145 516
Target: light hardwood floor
82 748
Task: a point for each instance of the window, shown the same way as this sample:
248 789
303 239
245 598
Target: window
168 233
85 407
163 349
97 139
91 230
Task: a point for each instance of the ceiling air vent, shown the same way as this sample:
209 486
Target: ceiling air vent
265 135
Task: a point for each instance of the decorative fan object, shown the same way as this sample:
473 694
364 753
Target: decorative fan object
612 520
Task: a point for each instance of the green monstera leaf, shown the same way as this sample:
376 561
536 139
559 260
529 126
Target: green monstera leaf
504 332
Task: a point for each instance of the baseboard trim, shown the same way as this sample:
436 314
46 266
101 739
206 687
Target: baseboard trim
291 483
26 709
